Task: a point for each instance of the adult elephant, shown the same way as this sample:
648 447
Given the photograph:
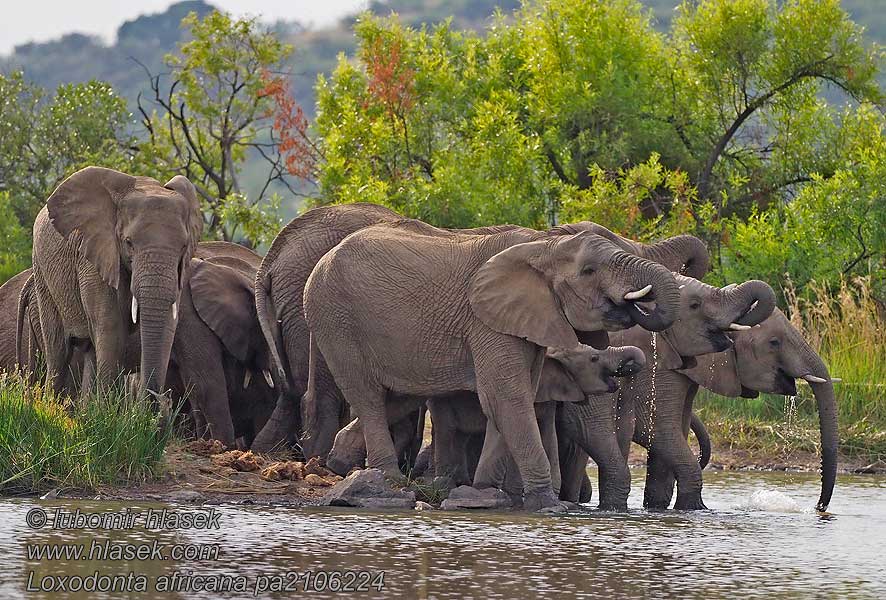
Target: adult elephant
396 309
769 358
111 251
279 293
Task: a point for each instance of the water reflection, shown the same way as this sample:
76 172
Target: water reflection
726 551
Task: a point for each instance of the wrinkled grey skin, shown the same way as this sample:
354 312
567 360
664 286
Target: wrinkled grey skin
9 295
576 377
769 359
279 294
479 319
705 314
104 239
217 342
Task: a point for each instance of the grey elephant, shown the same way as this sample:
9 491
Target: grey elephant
705 315
768 358
9 297
112 252
279 292
576 376
394 308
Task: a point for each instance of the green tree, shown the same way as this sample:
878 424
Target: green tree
221 105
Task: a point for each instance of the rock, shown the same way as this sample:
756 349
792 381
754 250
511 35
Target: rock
367 489
465 496
419 505
185 496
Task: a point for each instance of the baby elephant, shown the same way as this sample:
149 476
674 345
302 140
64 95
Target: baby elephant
568 375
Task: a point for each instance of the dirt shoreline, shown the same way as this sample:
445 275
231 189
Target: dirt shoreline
197 473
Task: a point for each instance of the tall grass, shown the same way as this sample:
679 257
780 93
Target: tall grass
46 442
846 327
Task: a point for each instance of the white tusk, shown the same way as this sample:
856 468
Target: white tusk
175 311
268 378
639 293
134 310
737 327
814 379
247 378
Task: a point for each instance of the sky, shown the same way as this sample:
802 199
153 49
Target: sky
42 20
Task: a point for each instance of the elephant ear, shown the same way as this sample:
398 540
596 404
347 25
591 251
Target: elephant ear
557 384
667 357
224 300
718 373
511 295
83 209
183 186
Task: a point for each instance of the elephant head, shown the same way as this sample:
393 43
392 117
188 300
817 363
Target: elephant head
139 235
707 313
546 290
770 358
221 290
573 374
684 254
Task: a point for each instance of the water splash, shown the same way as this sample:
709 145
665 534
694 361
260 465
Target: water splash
771 501
650 400
790 410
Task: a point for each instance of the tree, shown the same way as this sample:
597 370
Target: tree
221 108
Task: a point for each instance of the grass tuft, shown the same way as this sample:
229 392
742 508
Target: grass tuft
47 442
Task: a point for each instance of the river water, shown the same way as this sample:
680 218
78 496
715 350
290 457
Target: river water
760 539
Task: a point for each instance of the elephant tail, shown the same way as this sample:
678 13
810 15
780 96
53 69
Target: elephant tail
22 350
270 327
704 440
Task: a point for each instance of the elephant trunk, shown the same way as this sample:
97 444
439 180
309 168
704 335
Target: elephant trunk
155 291
827 421
624 361
753 301
665 293
704 440
684 254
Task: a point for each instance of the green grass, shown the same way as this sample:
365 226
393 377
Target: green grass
846 327
45 443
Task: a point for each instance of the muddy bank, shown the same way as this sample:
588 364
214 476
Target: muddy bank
205 473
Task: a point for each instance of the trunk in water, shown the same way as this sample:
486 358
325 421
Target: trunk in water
827 417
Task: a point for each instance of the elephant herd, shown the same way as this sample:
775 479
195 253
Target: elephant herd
532 351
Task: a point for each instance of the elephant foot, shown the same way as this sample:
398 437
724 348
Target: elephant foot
689 502
544 501
613 505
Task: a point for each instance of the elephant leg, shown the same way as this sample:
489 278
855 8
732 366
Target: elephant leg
424 460
625 422
587 490
322 407
87 377
367 399
56 345
507 397
573 467
659 488
473 448
200 363
493 465
546 415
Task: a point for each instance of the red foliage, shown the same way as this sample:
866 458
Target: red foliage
391 81
291 126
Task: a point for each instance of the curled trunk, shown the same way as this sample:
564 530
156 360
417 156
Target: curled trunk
752 300
704 440
665 292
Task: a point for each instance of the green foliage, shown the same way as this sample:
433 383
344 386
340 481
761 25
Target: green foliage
15 243
216 110
45 443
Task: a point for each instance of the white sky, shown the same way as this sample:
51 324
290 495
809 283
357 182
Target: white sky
41 20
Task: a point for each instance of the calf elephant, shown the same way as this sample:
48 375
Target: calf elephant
112 251
460 312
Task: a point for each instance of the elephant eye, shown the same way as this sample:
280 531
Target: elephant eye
587 270
775 342
595 358
694 304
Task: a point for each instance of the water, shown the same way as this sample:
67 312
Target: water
759 540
